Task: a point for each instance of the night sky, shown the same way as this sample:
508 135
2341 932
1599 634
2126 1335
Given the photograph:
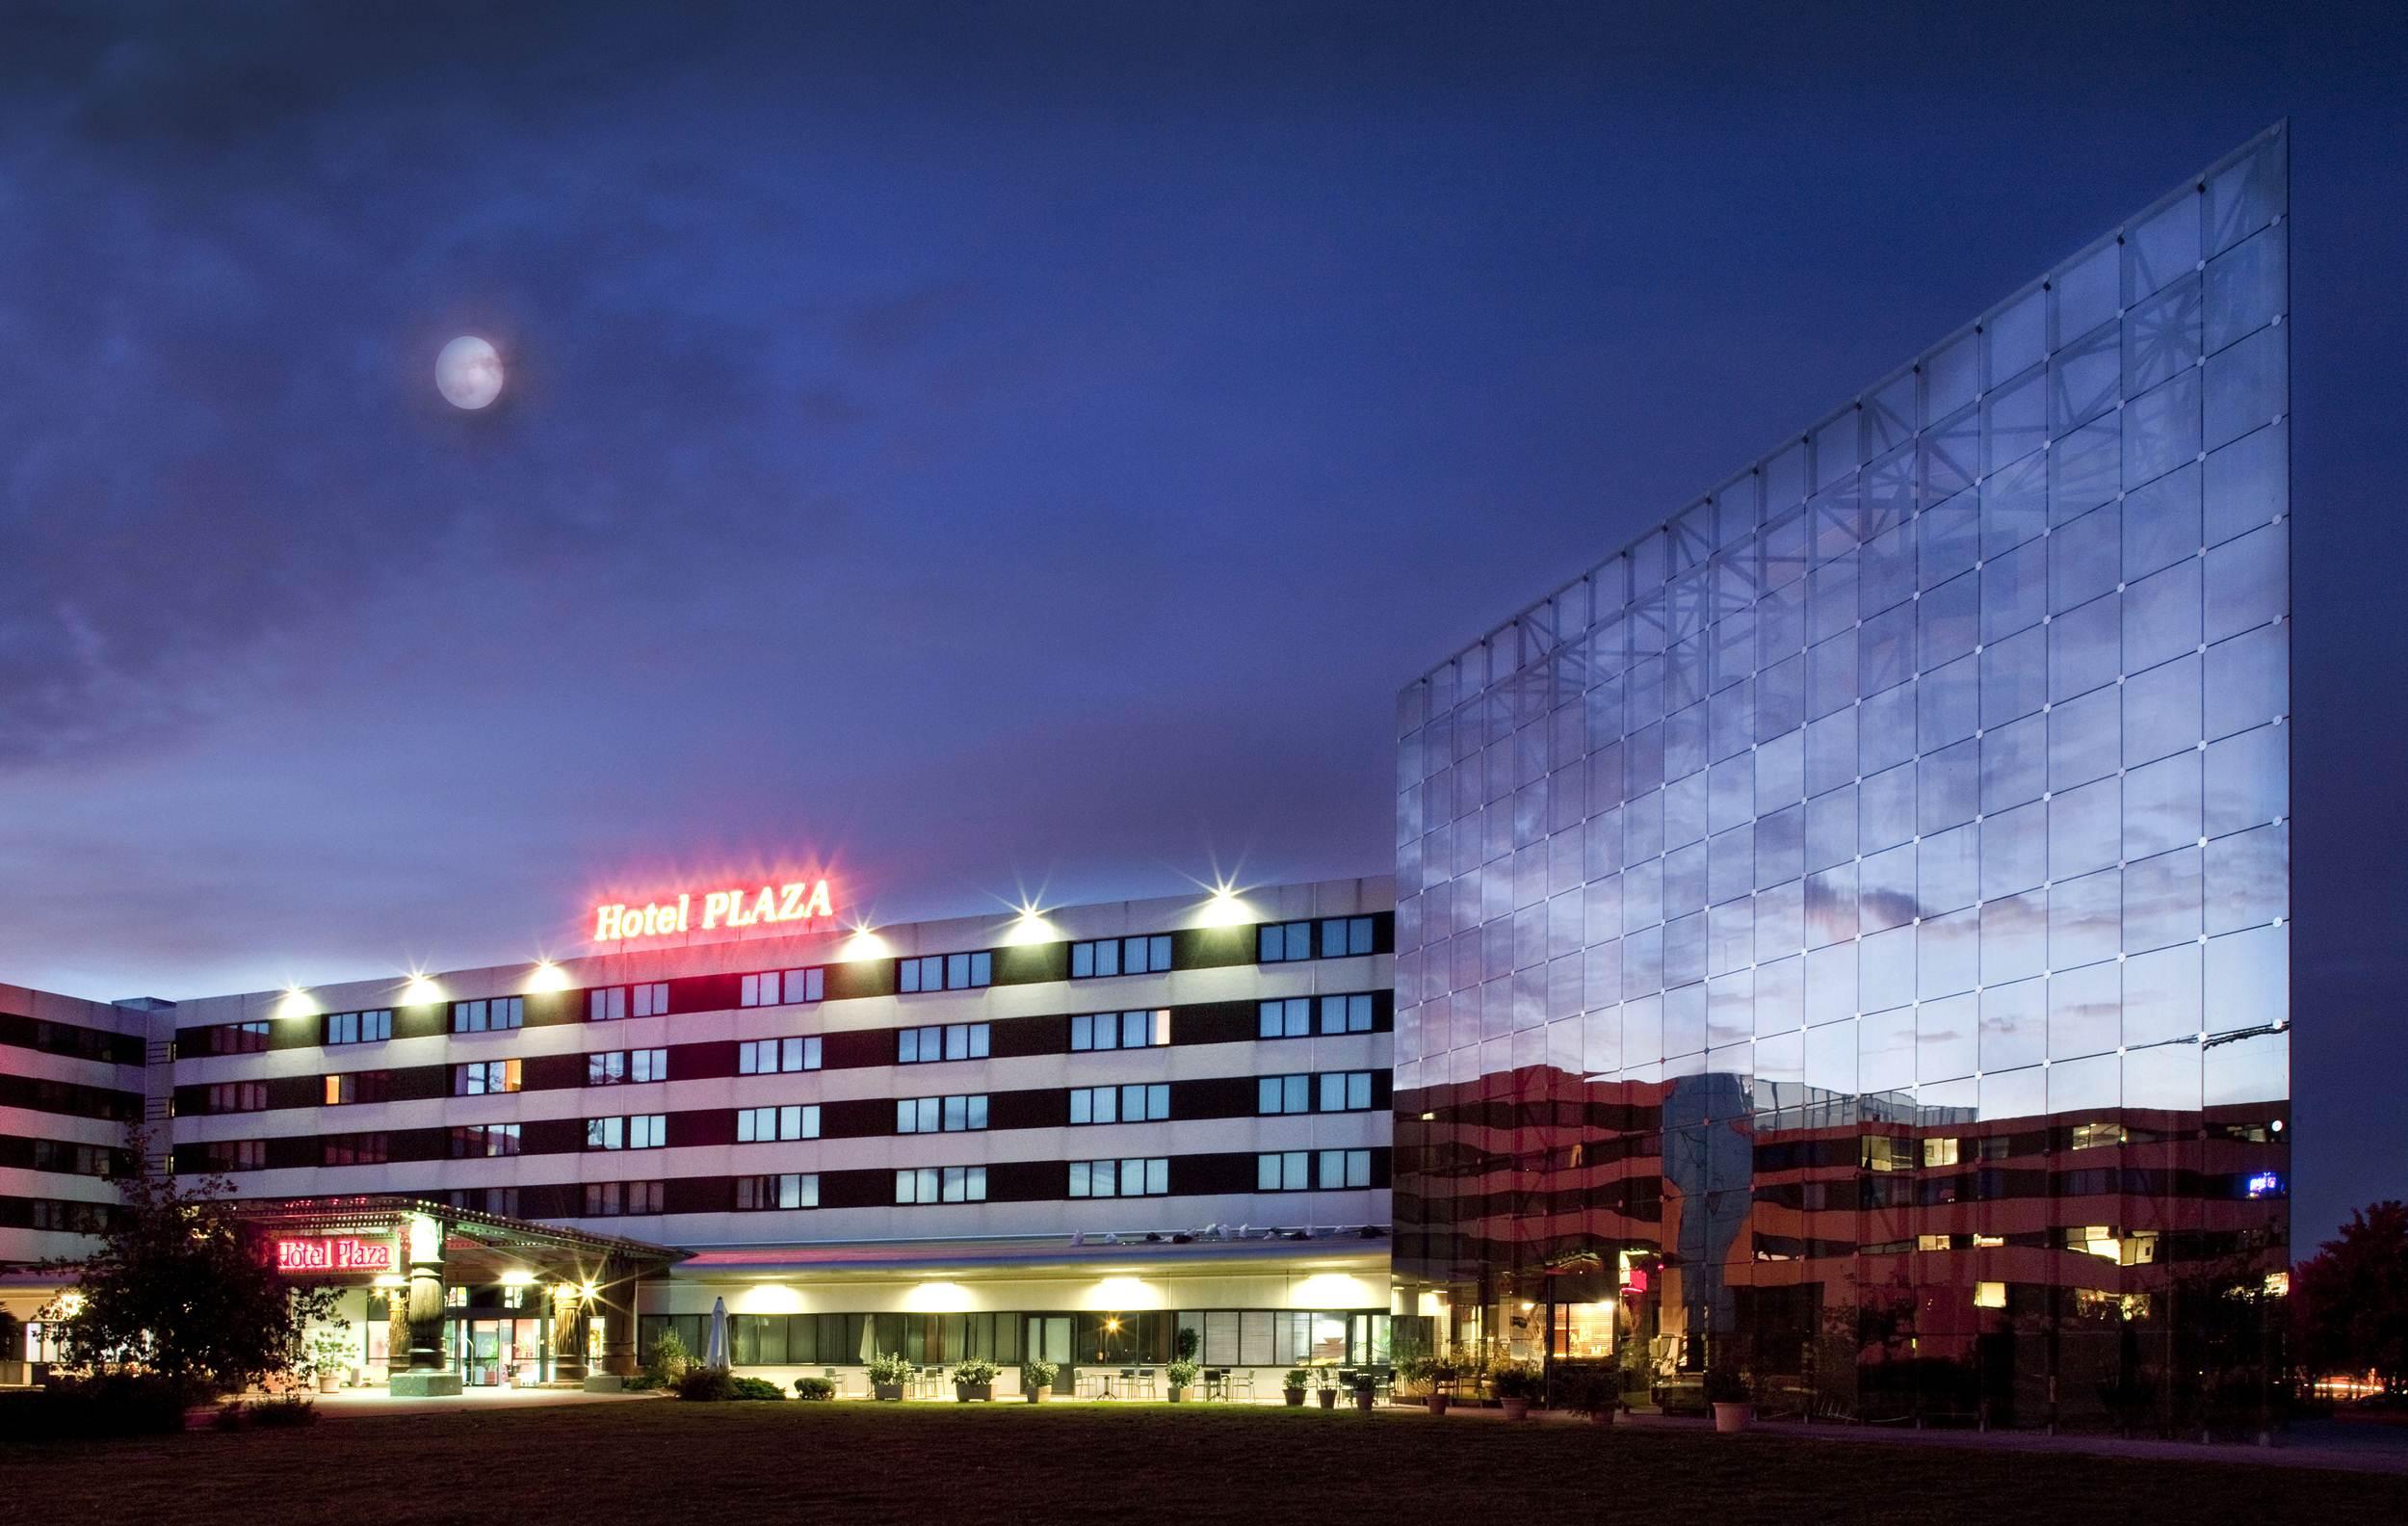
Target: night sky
1014 449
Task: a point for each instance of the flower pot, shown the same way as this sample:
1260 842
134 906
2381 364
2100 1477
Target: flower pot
1037 1395
1732 1418
891 1393
1178 1395
1438 1403
1516 1409
328 1382
1363 1398
974 1393
1295 1398
1329 1398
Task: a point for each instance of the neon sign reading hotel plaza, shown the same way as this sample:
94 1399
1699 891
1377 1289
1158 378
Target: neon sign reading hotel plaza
794 900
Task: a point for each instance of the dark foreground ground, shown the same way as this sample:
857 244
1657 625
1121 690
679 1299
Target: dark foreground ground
945 1466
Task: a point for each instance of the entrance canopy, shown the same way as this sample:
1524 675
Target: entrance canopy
362 1237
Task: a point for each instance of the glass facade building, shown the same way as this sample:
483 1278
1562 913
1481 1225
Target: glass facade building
1842 938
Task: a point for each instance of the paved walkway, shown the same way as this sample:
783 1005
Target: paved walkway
346 1402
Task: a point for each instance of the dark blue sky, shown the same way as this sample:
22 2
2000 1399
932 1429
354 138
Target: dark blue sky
1010 447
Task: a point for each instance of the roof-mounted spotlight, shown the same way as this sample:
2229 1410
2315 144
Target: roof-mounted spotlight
547 975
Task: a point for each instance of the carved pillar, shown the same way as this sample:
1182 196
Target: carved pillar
568 1332
615 1296
424 1294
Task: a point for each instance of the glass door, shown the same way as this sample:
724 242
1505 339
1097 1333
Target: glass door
481 1353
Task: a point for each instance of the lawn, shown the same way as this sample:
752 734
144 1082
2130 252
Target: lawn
859 1465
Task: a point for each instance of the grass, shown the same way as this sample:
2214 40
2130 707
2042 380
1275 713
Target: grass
860 1464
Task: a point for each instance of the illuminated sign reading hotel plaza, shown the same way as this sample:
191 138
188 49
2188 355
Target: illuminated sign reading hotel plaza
343 1254
795 901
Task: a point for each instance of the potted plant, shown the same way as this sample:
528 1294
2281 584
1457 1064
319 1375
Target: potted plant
330 1353
1366 1388
1036 1381
1292 1386
1515 1384
1734 1402
1442 1372
1326 1381
1182 1375
973 1381
1590 1388
887 1376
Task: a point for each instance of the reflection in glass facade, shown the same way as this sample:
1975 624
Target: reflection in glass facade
1843 937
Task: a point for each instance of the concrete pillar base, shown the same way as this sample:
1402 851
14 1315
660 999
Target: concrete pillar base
604 1383
424 1385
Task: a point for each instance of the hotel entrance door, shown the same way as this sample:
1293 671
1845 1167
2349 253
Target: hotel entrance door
498 1351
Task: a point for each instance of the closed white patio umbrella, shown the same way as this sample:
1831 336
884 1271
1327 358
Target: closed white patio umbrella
715 1349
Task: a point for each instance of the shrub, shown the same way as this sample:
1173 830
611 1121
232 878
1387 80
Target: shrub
113 1405
290 1410
815 1389
977 1370
1298 1379
755 1388
706 1384
641 1383
1182 1373
1183 1345
668 1361
1588 1387
1038 1374
889 1370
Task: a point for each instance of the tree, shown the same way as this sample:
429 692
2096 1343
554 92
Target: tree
180 1288
2349 1301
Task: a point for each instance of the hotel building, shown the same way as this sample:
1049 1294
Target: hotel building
1843 935
1068 1135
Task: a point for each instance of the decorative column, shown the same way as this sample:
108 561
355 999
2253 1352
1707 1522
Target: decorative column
427 1376
568 1332
617 1298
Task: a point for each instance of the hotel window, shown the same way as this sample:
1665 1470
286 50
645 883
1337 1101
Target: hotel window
953 1115
609 1004
1291 1018
2096 1136
1331 937
931 1184
784 987
951 1042
1940 1151
770 1055
1345 1014
477 1140
651 999
620 1066
359 1027
77 1160
789 1190
642 1131
1140 1103
1128 1029
484 1077
71 1218
237 1155
358 1086
1284 1094
1132 956
1344 1169
1283 1171
495 1016
763 1126
353 1149
243 1037
613 1200
1346 1092
238 1096
945 972
1121 1178
500 1200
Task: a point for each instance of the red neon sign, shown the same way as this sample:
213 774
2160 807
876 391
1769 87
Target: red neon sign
345 1254
743 907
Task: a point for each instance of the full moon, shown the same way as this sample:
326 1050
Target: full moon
468 373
